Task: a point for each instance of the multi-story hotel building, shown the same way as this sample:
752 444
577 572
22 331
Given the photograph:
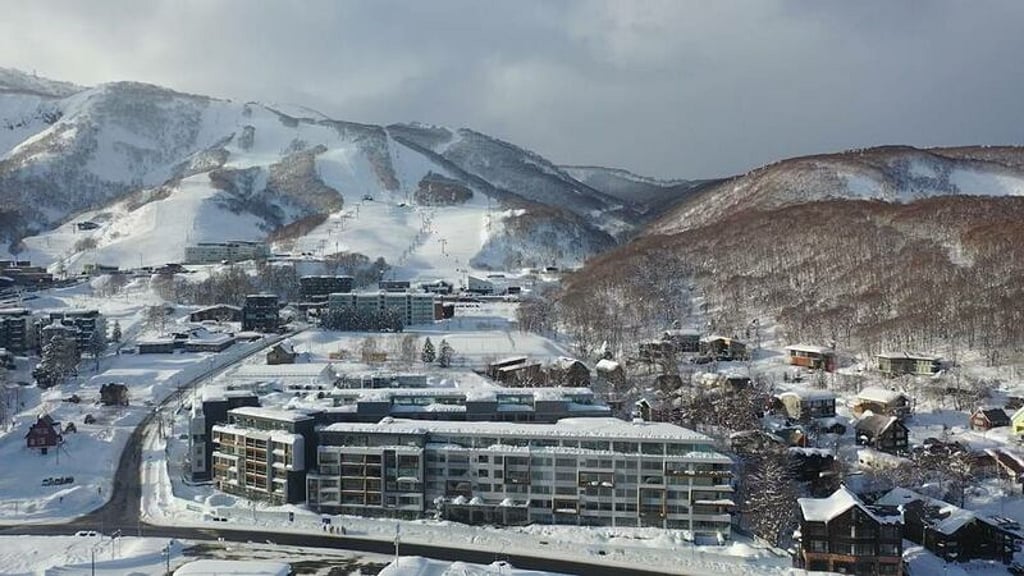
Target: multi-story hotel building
261 453
592 471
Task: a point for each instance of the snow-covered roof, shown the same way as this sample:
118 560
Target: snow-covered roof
947 518
807 394
271 413
908 356
825 509
808 348
233 568
880 395
582 428
282 436
268 371
606 365
875 423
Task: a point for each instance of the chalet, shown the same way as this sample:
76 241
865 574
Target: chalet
217 313
1009 464
883 433
810 464
813 357
723 348
281 353
950 532
570 372
44 434
902 363
989 418
881 401
805 404
525 374
1017 421
842 534
114 394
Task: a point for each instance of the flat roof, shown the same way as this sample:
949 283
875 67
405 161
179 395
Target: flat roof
272 413
581 428
233 568
809 348
311 369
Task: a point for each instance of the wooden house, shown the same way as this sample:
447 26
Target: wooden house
723 348
756 442
805 404
44 434
1010 465
1017 421
841 533
281 353
114 394
903 363
989 418
813 357
565 371
883 433
883 402
949 532
683 340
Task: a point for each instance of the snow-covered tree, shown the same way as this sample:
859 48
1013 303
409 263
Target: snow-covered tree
445 354
59 358
428 355
769 498
97 345
115 333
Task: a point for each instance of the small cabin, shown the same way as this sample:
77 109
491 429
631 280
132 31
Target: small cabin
989 418
813 357
903 363
44 434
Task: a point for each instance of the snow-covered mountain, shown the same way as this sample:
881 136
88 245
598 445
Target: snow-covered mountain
646 195
159 169
890 174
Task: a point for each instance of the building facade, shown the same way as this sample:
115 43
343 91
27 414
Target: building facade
218 252
405 307
841 534
262 453
17 330
260 313
318 288
586 471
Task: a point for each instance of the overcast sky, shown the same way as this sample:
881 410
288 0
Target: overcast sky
663 88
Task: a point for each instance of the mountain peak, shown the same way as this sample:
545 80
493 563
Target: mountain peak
14 80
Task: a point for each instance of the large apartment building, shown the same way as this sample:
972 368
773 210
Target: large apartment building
17 331
588 471
261 453
217 252
407 307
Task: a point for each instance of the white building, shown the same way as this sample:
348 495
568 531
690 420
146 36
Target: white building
217 252
411 308
311 375
577 471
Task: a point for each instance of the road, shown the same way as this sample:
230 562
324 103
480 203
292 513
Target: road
123 513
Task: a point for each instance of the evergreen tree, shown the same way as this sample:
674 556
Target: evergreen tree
445 355
428 355
115 334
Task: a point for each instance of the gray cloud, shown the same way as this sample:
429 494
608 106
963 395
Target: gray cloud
662 87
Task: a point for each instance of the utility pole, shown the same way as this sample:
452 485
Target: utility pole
398 538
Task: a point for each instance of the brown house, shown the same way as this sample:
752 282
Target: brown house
883 433
989 418
813 357
114 394
570 372
44 434
883 402
723 348
281 353
842 534
950 532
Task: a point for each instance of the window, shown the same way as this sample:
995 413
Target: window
482 458
483 473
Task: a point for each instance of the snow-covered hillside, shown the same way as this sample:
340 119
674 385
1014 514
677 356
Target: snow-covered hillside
890 174
159 170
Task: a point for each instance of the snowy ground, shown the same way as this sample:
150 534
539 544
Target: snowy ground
417 566
74 556
89 455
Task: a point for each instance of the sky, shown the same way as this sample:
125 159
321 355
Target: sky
664 88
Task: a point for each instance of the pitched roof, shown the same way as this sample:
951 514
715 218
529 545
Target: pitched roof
994 415
875 424
941 516
880 395
825 509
